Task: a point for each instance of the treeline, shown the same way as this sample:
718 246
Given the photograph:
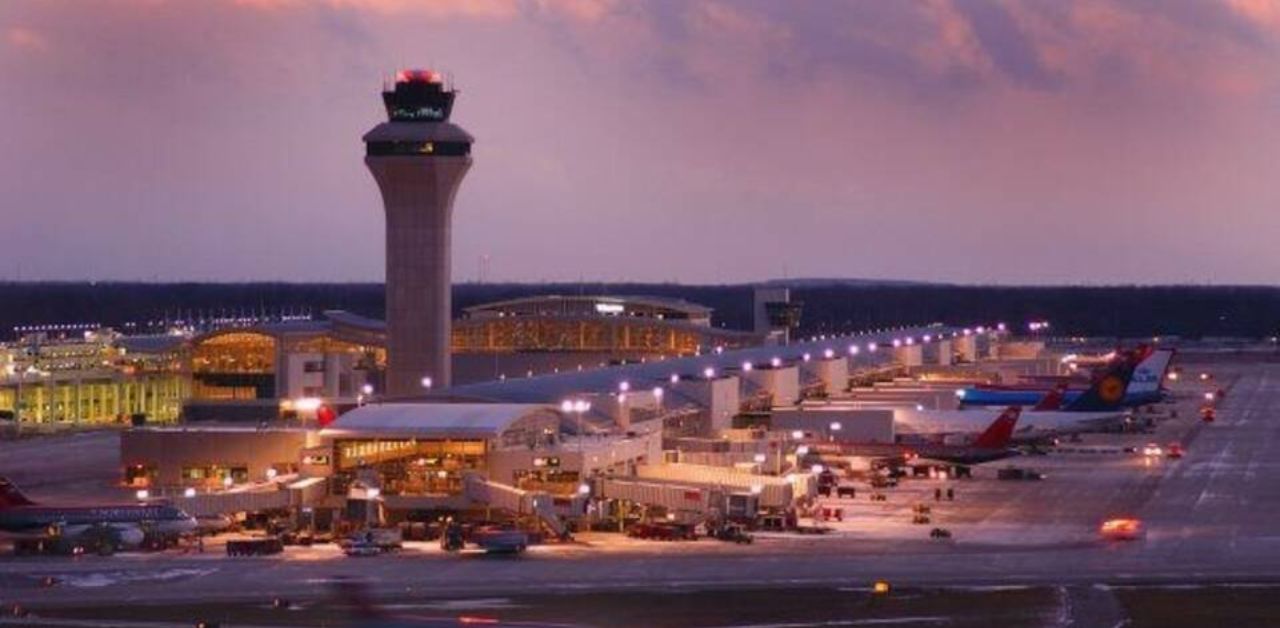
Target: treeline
1191 311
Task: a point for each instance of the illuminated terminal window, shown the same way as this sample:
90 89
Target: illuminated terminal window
234 365
411 467
236 352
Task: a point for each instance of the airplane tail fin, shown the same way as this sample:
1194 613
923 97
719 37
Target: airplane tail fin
1000 431
10 496
1138 373
1108 389
1148 375
1053 399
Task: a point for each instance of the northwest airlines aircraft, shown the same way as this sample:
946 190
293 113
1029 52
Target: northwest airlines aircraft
22 518
992 444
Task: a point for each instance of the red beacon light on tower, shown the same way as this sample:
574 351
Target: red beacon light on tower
419 76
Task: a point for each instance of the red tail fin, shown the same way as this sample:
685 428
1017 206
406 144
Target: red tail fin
1000 432
10 496
1053 399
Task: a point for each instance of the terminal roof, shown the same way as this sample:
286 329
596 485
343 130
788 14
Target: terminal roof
554 388
432 420
678 305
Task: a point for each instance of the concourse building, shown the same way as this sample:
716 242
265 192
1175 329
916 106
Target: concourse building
91 375
343 356
423 459
245 370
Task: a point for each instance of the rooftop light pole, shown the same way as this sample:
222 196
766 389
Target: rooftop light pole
578 407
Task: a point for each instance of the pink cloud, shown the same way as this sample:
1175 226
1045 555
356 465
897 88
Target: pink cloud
26 39
955 44
585 10
1264 13
868 138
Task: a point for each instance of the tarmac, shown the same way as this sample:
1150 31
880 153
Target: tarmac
1210 518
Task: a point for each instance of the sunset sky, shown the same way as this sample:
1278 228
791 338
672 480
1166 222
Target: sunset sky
1093 141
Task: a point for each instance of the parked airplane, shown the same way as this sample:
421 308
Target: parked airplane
1031 425
1049 418
1135 380
991 444
122 525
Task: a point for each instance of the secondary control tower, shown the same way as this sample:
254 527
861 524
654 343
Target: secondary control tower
418 159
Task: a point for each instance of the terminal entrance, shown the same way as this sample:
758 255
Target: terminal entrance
410 467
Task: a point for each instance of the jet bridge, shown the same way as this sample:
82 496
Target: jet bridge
521 502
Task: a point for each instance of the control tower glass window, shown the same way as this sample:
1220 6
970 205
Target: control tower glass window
418 96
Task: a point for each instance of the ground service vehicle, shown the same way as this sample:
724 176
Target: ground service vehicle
732 533
384 539
1015 473
879 481
451 539
362 548
497 540
102 540
661 532
255 547
1122 530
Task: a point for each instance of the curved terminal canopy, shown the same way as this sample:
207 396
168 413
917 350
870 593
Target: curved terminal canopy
418 96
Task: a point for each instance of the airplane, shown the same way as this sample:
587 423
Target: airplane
1049 418
1032 426
1133 381
1119 363
113 526
991 444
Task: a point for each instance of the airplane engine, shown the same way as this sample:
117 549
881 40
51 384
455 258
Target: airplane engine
130 536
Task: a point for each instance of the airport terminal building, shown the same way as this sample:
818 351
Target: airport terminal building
243 370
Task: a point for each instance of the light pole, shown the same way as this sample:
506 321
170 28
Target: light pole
578 407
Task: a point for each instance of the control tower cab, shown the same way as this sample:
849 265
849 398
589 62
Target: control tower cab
418 158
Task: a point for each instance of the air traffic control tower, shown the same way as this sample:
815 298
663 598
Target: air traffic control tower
418 159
